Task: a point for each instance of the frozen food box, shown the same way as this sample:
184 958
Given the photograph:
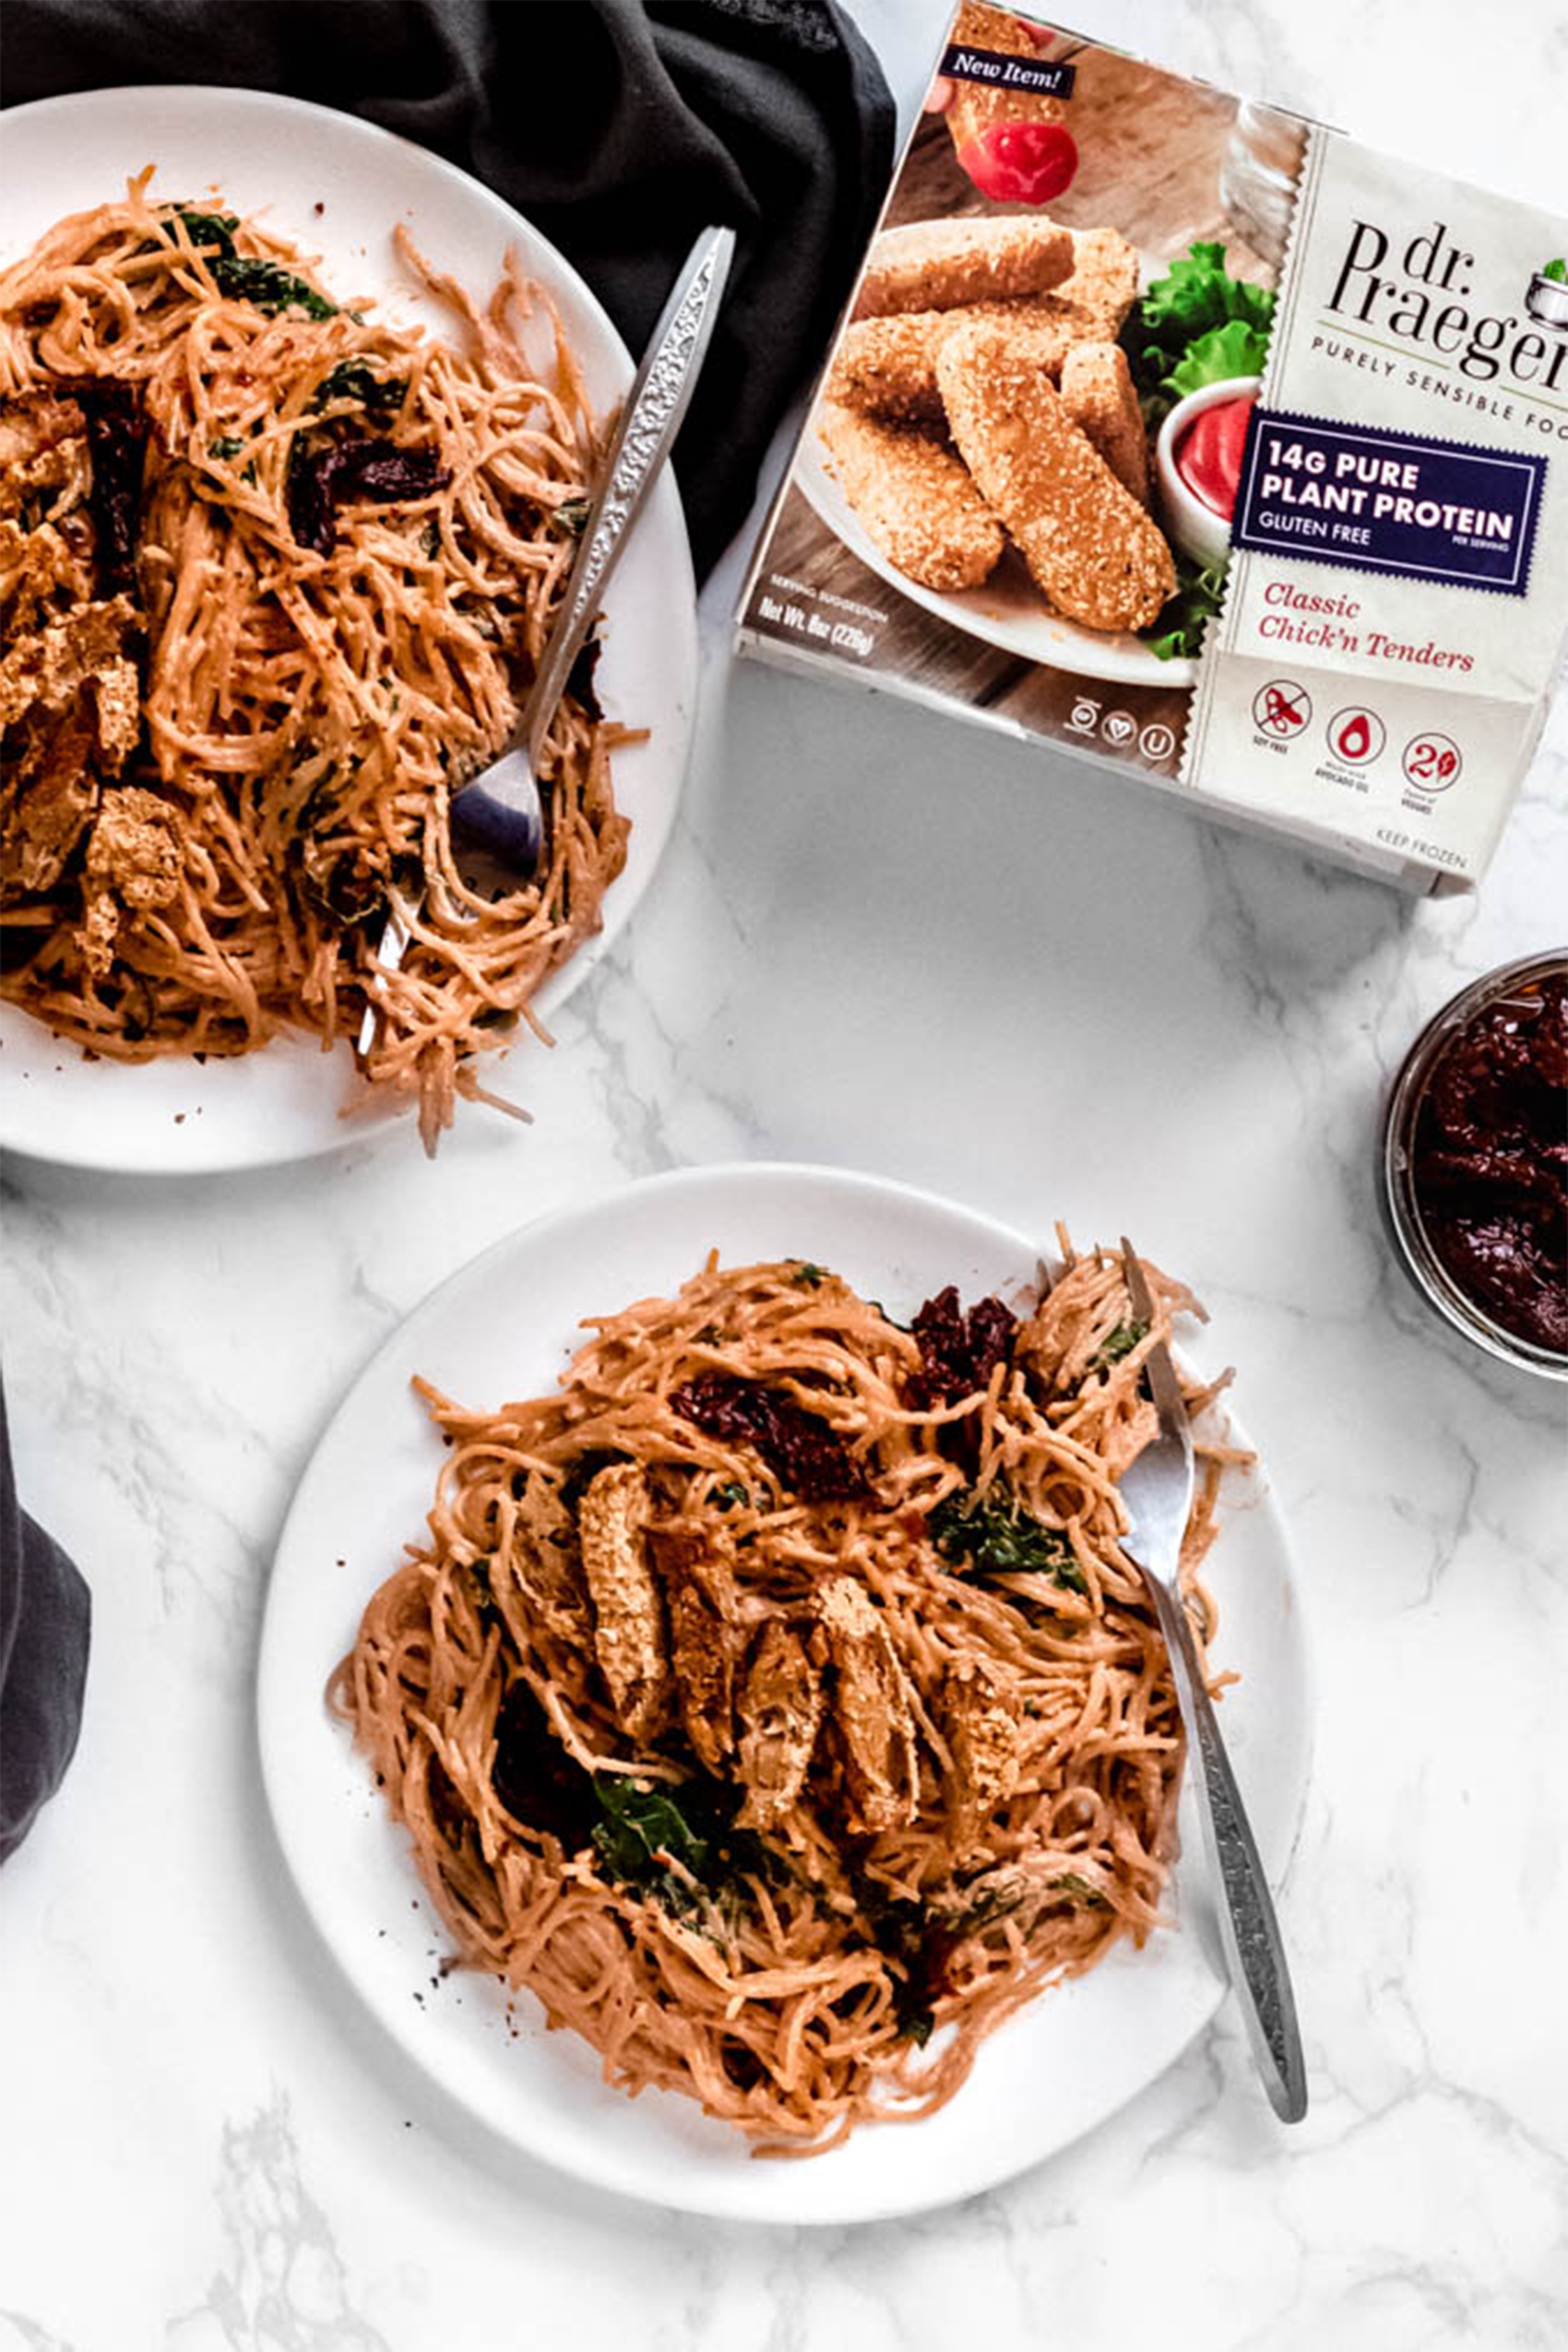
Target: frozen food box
1183 432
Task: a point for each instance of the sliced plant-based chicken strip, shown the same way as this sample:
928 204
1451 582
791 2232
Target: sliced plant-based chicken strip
781 1714
629 1637
539 1566
871 1707
135 859
983 1714
699 1588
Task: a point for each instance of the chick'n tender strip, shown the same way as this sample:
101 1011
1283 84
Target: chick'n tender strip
1098 395
943 264
1102 284
975 106
1090 544
914 498
886 366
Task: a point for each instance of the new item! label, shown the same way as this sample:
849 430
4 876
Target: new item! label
1397 502
1048 77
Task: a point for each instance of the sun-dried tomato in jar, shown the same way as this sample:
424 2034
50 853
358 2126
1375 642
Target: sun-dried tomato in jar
1489 1162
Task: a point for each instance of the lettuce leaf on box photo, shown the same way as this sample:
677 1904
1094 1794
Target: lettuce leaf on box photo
1197 324
1177 631
1232 350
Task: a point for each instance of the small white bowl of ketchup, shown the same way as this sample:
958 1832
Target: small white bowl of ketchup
1197 459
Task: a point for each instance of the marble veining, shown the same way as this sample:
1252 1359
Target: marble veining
880 940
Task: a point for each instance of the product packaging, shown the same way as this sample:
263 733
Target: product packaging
1191 435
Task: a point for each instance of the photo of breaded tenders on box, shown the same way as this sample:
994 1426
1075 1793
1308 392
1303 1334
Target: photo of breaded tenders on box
1091 547
1098 395
914 498
975 107
1102 284
887 365
939 264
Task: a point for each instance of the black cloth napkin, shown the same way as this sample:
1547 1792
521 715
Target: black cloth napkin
619 130
45 1617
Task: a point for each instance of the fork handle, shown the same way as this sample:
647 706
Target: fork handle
1248 1929
655 406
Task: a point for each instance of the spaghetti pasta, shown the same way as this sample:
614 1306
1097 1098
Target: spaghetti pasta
774 1702
275 575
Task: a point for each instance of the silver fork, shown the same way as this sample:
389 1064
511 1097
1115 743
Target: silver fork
1158 1492
497 818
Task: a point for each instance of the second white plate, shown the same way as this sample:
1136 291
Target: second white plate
504 1327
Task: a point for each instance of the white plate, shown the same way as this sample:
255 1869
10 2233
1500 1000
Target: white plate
504 1327
282 159
1007 610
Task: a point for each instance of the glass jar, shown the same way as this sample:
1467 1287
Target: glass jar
1400 1189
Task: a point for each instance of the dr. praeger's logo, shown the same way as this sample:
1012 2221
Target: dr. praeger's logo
1417 292
1546 296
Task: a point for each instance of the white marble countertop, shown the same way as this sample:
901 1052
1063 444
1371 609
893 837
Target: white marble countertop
1052 999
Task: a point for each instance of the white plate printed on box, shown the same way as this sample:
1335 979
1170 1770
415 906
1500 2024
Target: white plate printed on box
1007 610
504 1327
281 159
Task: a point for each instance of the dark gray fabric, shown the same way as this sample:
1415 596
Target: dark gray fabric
619 130
45 1620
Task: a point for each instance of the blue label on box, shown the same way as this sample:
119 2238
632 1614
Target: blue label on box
1399 503
999 71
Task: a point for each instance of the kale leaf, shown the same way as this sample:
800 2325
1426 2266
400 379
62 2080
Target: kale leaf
905 1935
356 380
265 283
209 228
1081 1890
996 1537
644 1827
269 286
655 1837
1120 1343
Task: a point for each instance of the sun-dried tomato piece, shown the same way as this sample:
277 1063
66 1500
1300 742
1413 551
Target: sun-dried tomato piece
991 1329
958 1352
809 1458
116 435
320 480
